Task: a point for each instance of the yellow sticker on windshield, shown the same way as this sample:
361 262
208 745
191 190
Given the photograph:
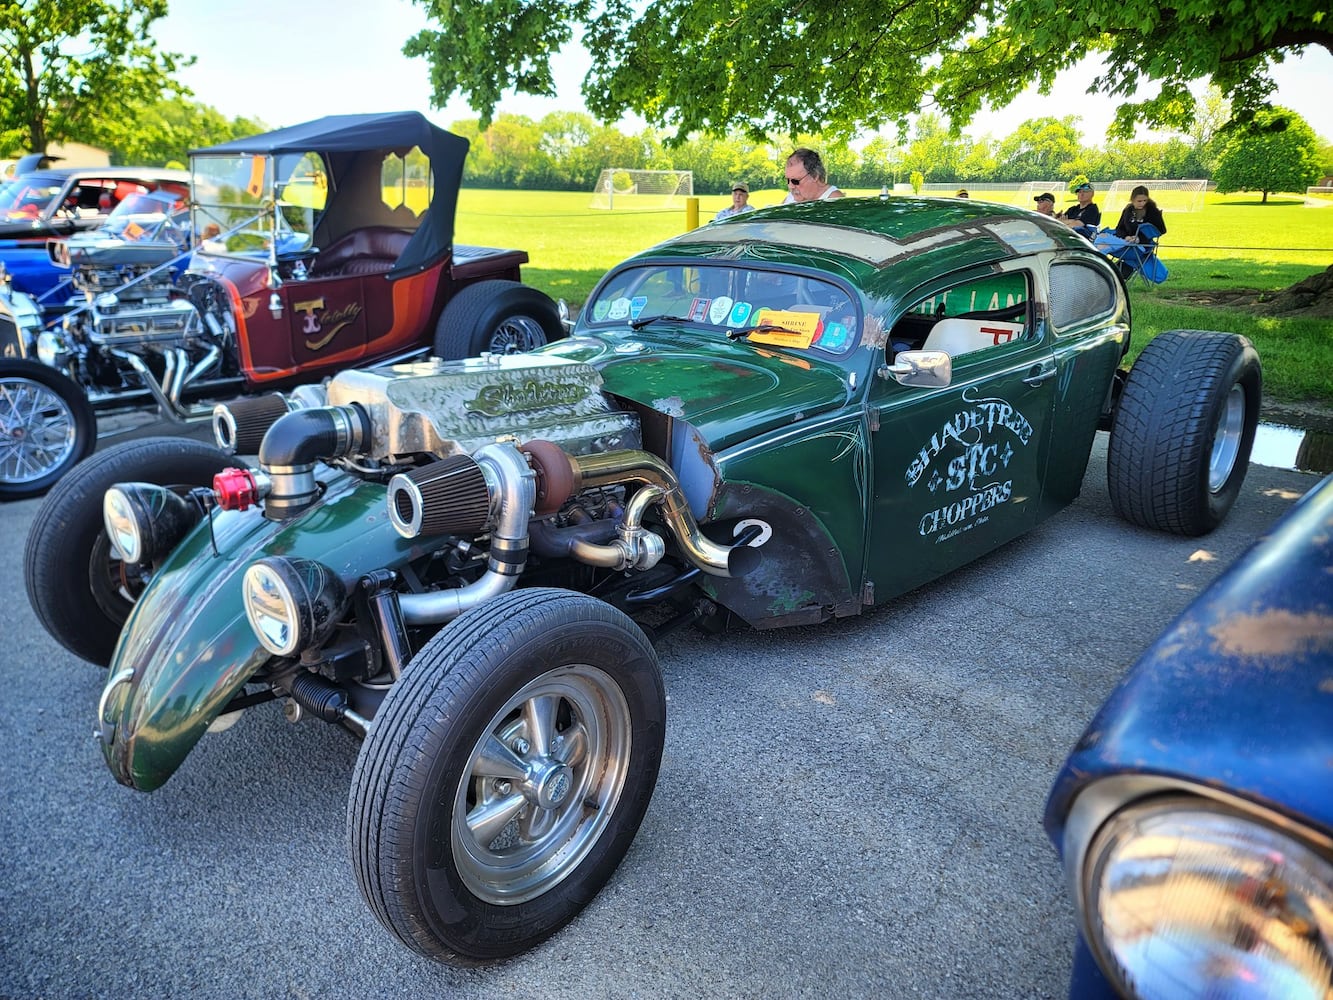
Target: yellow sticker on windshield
798 329
256 185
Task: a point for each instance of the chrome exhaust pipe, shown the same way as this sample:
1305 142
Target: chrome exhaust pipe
615 468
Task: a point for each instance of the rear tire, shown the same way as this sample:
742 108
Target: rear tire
1182 432
80 591
47 426
505 774
499 317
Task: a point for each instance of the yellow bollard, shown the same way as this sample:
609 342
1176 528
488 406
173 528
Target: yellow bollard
691 214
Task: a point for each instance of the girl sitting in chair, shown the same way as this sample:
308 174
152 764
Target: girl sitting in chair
1141 209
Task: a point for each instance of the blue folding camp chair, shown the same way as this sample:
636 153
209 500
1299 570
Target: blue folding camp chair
1134 258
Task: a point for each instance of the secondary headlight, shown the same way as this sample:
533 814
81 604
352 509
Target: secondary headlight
144 522
292 604
1187 898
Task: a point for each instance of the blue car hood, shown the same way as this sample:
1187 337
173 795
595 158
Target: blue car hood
1238 692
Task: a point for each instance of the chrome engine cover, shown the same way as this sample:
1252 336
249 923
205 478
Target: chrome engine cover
455 407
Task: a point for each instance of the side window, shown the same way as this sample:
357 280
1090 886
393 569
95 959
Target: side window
983 313
1079 293
406 183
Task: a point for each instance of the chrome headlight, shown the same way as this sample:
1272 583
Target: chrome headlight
51 349
144 522
1188 898
292 604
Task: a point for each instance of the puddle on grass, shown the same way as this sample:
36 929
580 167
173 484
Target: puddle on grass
1285 447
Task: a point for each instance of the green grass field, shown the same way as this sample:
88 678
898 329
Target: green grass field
1235 243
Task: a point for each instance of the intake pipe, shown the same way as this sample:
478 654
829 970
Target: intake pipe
293 445
511 494
562 475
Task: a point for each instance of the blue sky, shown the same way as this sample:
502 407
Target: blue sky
285 62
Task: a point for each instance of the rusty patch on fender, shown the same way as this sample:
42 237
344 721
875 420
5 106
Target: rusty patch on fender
1275 633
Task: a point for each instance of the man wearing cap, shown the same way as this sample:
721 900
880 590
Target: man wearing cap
1045 203
1085 216
740 198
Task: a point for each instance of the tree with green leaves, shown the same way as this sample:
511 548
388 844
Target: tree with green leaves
1279 152
1040 148
165 131
794 66
77 69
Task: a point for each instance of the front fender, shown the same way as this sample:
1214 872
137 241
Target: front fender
187 647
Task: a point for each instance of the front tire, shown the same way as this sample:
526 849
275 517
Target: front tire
47 426
1183 430
505 774
80 591
500 317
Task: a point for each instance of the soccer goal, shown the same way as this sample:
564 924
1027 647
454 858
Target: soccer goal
1319 197
622 190
1171 196
1030 189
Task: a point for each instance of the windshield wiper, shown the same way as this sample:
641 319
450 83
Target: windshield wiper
639 324
761 328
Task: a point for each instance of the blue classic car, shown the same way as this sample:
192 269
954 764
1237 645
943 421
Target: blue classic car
62 202
1195 815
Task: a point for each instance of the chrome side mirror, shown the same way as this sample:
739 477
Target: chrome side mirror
924 369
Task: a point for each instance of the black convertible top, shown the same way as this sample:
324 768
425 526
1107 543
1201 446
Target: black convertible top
343 140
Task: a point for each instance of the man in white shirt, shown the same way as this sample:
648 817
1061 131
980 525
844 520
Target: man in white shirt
807 180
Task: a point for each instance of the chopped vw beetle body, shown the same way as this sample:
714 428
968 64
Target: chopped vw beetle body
780 419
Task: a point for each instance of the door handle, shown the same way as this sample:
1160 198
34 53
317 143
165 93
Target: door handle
1041 375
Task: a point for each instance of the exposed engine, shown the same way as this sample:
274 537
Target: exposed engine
502 466
140 327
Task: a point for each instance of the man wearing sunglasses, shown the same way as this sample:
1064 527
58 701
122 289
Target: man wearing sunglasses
807 180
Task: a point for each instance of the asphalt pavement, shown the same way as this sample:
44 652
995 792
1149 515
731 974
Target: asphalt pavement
844 810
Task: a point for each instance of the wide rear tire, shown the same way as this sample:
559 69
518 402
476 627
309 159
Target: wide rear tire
499 317
79 589
47 426
505 774
1183 430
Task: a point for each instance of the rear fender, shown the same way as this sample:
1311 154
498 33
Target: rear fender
188 648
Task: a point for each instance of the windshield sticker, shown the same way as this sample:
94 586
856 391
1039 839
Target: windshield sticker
699 310
798 329
719 310
636 305
969 484
599 309
834 337
619 309
740 312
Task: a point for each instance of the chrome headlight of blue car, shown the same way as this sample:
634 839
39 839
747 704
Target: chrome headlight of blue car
1195 814
1184 896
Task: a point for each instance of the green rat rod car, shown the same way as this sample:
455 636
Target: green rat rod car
783 418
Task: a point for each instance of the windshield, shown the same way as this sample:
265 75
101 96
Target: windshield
26 197
233 194
784 309
156 216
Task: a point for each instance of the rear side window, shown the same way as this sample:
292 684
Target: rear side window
1079 293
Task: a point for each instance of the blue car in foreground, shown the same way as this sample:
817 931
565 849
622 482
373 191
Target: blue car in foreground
1195 815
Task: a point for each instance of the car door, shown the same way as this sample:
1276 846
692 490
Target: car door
958 470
